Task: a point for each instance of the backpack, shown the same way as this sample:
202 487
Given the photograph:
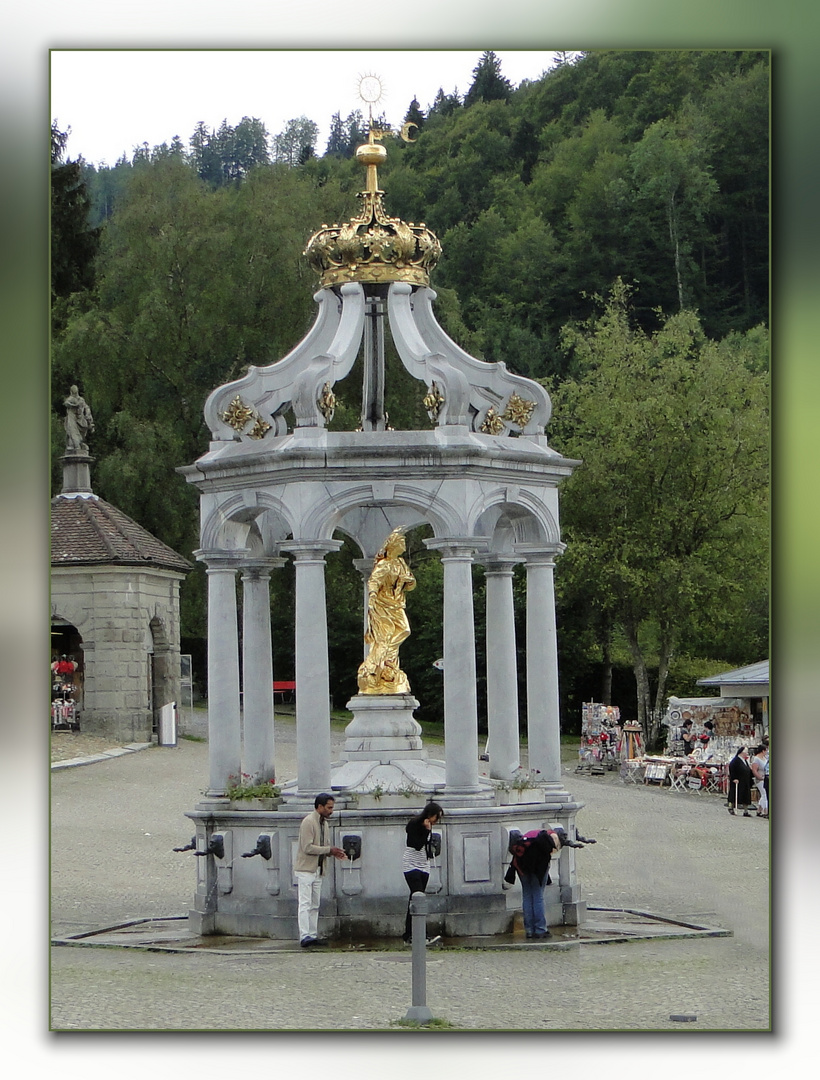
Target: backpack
530 854
520 843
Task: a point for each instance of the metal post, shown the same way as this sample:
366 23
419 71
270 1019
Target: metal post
418 912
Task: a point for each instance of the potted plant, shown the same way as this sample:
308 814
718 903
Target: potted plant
524 787
250 793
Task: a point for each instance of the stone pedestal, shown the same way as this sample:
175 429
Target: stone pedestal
383 750
382 725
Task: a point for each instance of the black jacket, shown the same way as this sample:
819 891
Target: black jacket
535 859
419 836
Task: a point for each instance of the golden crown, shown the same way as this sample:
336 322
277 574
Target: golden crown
373 247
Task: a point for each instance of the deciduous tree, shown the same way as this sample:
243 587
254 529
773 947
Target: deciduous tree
666 520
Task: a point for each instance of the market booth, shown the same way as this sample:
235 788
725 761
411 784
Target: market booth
601 738
703 735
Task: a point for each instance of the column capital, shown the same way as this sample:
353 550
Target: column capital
260 567
306 550
221 559
540 554
457 547
497 563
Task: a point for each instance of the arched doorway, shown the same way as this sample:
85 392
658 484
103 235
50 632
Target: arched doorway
163 669
67 675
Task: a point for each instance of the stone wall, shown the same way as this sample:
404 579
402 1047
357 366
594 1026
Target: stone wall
128 618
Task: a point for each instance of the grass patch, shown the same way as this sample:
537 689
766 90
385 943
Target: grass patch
193 738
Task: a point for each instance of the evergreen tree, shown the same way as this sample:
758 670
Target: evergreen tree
205 155
444 104
74 242
337 142
290 145
414 115
488 82
357 131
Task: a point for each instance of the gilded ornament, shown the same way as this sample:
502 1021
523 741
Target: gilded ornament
493 424
259 429
238 414
519 410
433 400
327 402
373 246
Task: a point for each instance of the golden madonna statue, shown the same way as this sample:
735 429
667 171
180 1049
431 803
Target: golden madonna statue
387 625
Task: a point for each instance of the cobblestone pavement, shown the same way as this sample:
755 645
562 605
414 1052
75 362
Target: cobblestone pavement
115 823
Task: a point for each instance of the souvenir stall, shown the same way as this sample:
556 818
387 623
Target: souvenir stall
702 737
65 713
600 737
630 752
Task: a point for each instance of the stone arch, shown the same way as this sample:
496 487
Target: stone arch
229 525
398 504
509 518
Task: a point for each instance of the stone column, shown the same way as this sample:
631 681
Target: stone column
502 672
257 669
312 671
224 737
460 705
543 720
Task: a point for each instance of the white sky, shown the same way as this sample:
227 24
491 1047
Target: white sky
114 100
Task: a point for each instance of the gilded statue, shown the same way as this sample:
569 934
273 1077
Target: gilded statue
387 625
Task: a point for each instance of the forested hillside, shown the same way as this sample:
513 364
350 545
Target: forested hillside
608 218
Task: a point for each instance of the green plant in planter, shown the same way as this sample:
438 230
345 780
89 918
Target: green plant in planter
524 779
246 786
409 792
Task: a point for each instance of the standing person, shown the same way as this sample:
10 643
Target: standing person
688 736
740 771
758 764
531 861
416 857
314 847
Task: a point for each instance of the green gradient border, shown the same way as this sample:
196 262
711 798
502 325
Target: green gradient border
789 28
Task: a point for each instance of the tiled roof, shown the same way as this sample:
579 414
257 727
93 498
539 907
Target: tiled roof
87 531
753 674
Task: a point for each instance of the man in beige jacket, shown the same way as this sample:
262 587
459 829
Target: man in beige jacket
314 847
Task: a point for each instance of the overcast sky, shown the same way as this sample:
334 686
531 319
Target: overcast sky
115 100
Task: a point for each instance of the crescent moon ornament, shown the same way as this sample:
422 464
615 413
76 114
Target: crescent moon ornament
405 131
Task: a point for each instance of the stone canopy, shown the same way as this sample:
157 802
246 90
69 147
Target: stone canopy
276 483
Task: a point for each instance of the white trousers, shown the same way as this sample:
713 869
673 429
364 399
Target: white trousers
310 893
763 802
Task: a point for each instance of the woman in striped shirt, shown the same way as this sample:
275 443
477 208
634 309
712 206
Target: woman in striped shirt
417 854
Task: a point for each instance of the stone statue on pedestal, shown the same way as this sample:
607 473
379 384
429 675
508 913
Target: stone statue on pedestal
78 423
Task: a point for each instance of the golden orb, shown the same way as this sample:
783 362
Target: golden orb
371 154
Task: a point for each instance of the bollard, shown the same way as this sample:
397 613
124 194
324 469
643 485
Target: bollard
418 912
